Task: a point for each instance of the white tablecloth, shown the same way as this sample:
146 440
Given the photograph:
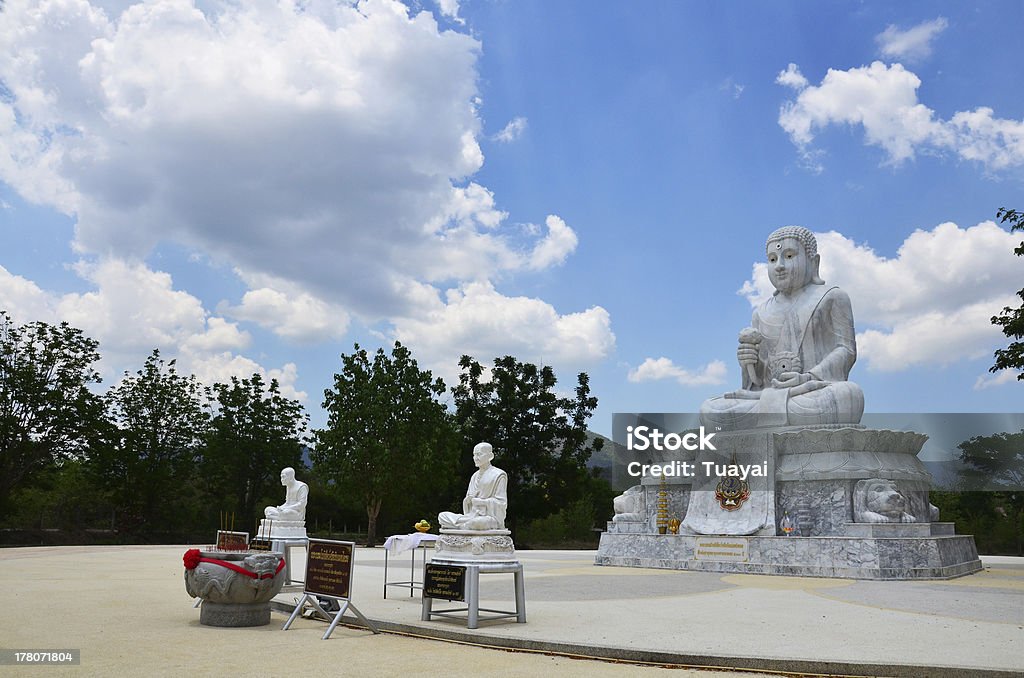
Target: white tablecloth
400 543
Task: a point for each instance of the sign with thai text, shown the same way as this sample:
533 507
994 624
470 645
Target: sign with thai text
232 541
732 549
261 545
329 568
444 581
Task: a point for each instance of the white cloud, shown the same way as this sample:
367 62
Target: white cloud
325 151
792 77
512 131
220 367
479 321
931 304
319 145
558 244
25 301
998 379
662 368
732 87
289 312
940 337
913 44
883 100
133 310
450 9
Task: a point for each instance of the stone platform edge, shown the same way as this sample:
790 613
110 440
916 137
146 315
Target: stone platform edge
721 567
446 631
872 558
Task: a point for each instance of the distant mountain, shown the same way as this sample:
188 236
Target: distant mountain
945 474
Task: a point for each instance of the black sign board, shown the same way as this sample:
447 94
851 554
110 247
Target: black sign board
232 541
260 545
329 568
444 581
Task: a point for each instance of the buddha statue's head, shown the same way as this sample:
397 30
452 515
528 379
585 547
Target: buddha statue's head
287 476
792 259
482 454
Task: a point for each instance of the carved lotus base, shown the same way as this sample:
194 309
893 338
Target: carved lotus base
475 546
282 529
232 597
848 454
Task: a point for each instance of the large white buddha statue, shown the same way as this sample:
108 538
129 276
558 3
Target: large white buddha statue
796 356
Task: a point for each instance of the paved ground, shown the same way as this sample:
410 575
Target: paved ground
127 610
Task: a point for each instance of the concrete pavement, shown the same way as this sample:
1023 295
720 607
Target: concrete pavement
127 610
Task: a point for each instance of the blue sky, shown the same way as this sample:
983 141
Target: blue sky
256 186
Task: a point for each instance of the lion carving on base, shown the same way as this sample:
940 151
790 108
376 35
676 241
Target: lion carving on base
877 500
630 504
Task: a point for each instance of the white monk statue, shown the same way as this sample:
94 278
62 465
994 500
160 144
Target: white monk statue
796 356
486 499
294 506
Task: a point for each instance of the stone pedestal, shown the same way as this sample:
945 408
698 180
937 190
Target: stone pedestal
234 614
475 546
282 529
868 557
815 475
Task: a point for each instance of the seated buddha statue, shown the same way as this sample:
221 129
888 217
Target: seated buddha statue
796 357
486 498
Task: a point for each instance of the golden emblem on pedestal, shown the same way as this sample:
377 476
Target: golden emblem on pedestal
731 492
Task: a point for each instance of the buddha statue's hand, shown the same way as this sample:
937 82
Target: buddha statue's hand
798 383
743 394
747 353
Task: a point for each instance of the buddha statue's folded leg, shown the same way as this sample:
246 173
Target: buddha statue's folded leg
449 519
841 402
728 414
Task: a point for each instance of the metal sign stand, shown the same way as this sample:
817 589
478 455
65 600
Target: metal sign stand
346 605
329 566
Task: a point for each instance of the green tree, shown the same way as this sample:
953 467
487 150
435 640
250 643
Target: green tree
160 420
995 461
539 438
255 432
388 437
47 412
993 474
1011 319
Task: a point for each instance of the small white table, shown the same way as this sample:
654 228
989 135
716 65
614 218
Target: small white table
400 543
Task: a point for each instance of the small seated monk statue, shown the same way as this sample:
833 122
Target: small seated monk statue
294 506
796 357
486 498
